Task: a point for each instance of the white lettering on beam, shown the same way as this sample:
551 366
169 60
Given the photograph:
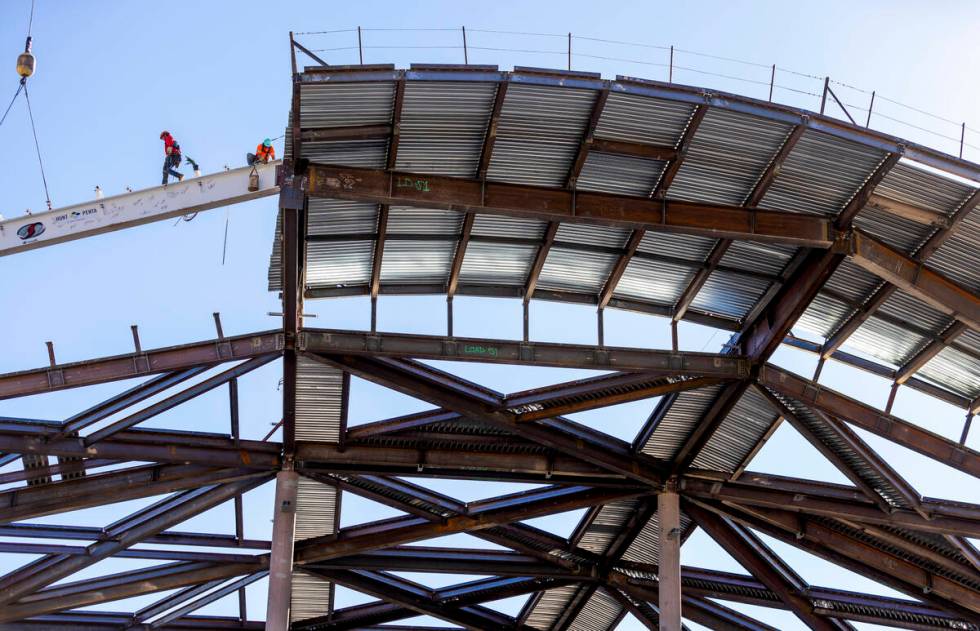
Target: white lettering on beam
132 209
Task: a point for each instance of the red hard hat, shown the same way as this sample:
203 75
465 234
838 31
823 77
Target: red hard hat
164 133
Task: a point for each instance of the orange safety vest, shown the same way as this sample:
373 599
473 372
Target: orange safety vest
264 153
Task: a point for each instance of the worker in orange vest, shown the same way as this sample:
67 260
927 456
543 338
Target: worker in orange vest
265 152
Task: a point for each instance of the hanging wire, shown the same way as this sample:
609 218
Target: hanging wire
20 86
37 146
30 23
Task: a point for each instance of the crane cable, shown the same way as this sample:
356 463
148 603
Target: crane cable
37 147
30 112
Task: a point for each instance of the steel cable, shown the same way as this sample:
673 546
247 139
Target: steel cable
37 147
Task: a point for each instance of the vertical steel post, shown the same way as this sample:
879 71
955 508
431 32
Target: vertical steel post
360 48
599 322
962 138
966 428
527 321
823 99
772 82
281 558
669 516
449 317
670 67
374 314
871 106
891 398
466 57
569 51
673 335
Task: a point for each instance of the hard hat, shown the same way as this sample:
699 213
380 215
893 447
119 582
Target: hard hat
164 133
267 143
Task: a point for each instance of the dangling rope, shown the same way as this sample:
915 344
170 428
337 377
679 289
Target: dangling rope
37 146
20 87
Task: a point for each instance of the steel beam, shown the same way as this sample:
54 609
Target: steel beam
486 153
422 602
428 384
838 544
281 559
669 575
683 146
761 562
587 137
459 194
143 445
481 515
915 278
872 419
523 353
110 487
136 208
116 587
116 368
176 399
120 536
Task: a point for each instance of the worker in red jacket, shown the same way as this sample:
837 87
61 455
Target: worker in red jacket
265 152
171 160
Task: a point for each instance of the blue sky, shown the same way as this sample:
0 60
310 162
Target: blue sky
111 75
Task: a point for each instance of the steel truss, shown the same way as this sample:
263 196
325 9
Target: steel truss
521 437
878 526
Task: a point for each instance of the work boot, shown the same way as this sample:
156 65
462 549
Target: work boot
180 178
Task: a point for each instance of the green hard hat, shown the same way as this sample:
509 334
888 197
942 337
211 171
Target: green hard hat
267 142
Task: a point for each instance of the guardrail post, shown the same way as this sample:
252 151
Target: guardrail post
823 99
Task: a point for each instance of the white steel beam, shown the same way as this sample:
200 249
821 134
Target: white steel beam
194 194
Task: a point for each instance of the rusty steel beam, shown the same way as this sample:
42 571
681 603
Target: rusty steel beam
427 384
119 586
815 502
542 255
142 445
633 149
174 400
459 194
654 390
355 132
421 601
904 210
830 449
587 137
525 353
397 107
432 460
762 563
938 238
120 536
448 561
913 277
887 289
837 546
457 265
619 268
90 533
716 616
460 595
853 323
379 249
481 515
871 419
683 145
846 216
112 621
935 347
107 488
486 153
147 362
754 199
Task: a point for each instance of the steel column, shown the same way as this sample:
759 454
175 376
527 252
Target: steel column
281 559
